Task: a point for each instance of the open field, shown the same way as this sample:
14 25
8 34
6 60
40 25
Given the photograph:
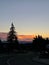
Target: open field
18 59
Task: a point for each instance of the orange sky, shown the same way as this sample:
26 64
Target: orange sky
26 37
20 37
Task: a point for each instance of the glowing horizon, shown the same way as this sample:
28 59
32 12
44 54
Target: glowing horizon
32 35
30 17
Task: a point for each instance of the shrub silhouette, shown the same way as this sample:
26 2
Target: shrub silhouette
39 43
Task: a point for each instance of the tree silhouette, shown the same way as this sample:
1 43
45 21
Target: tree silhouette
12 39
39 43
12 34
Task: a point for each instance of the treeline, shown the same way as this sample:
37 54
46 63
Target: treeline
39 44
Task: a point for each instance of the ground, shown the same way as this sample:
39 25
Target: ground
19 59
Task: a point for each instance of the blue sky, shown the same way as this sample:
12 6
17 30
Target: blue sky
28 16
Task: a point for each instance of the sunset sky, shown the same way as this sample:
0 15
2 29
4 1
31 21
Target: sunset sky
30 17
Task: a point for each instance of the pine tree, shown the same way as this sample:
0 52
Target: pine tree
12 35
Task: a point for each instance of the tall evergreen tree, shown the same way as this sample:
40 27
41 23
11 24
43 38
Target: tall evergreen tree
12 34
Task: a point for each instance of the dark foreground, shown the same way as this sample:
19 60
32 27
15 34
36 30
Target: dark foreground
19 59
